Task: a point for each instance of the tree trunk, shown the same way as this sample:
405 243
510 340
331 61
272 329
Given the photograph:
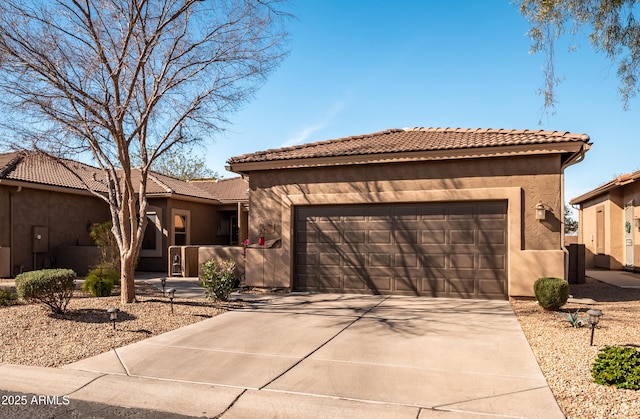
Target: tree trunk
127 277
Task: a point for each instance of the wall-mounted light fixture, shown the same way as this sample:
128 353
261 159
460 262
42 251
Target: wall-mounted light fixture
636 222
541 211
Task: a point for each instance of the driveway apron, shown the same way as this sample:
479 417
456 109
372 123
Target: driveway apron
342 356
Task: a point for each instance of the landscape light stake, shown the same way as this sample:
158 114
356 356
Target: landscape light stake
163 281
171 293
594 318
113 315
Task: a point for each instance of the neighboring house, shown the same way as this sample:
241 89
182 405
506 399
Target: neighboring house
421 211
609 223
46 215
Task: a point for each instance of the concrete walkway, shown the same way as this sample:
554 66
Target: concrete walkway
317 356
622 279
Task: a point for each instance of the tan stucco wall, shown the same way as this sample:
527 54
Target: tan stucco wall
66 218
534 246
613 203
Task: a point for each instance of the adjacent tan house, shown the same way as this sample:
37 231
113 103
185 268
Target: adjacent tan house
421 211
46 214
609 223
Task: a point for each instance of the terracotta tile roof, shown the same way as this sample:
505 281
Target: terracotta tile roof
38 169
233 189
616 183
412 140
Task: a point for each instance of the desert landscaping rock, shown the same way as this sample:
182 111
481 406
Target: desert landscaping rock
565 356
33 336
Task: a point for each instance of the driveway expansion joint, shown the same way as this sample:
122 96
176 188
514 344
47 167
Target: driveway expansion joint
326 342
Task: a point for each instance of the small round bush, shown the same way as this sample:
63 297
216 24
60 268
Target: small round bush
100 281
52 287
618 367
551 293
218 279
7 297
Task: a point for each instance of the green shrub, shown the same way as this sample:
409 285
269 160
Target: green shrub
52 287
618 367
551 293
218 279
101 280
7 297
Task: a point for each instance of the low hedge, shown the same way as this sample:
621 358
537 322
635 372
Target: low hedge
52 287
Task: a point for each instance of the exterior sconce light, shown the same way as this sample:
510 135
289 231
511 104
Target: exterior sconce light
171 292
163 282
113 315
636 222
541 211
594 318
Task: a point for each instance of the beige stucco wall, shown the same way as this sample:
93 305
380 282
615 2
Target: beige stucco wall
613 204
534 247
65 217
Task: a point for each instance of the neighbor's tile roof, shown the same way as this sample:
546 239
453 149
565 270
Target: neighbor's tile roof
412 140
616 183
233 189
39 169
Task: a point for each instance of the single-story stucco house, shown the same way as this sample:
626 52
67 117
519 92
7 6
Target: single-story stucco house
609 223
46 214
422 211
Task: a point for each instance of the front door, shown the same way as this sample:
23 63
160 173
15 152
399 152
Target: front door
628 236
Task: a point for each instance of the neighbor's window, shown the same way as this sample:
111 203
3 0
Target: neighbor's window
600 230
152 240
180 227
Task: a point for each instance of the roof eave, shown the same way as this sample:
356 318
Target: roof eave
573 148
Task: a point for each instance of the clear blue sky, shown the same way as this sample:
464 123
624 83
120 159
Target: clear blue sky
359 67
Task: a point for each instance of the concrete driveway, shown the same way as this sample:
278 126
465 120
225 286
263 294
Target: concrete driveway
311 356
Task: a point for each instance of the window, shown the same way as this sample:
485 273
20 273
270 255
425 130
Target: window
180 232
152 239
600 230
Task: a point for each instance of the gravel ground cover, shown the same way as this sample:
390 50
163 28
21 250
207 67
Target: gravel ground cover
565 356
31 335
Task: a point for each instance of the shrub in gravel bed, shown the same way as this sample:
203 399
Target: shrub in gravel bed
7 297
101 280
551 293
218 279
618 367
52 287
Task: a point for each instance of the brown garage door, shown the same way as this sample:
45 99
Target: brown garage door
431 249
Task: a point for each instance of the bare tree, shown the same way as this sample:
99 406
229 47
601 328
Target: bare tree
118 78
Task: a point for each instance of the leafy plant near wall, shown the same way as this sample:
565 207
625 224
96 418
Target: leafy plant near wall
101 280
618 367
105 240
551 293
218 279
52 287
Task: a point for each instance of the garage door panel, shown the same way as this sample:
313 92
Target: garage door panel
406 259
443 249
406 236
408 284
380 236
380 260
492 236
492 262
462 261
438 236
461 237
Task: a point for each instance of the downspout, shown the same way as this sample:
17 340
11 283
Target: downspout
576 158
11 223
